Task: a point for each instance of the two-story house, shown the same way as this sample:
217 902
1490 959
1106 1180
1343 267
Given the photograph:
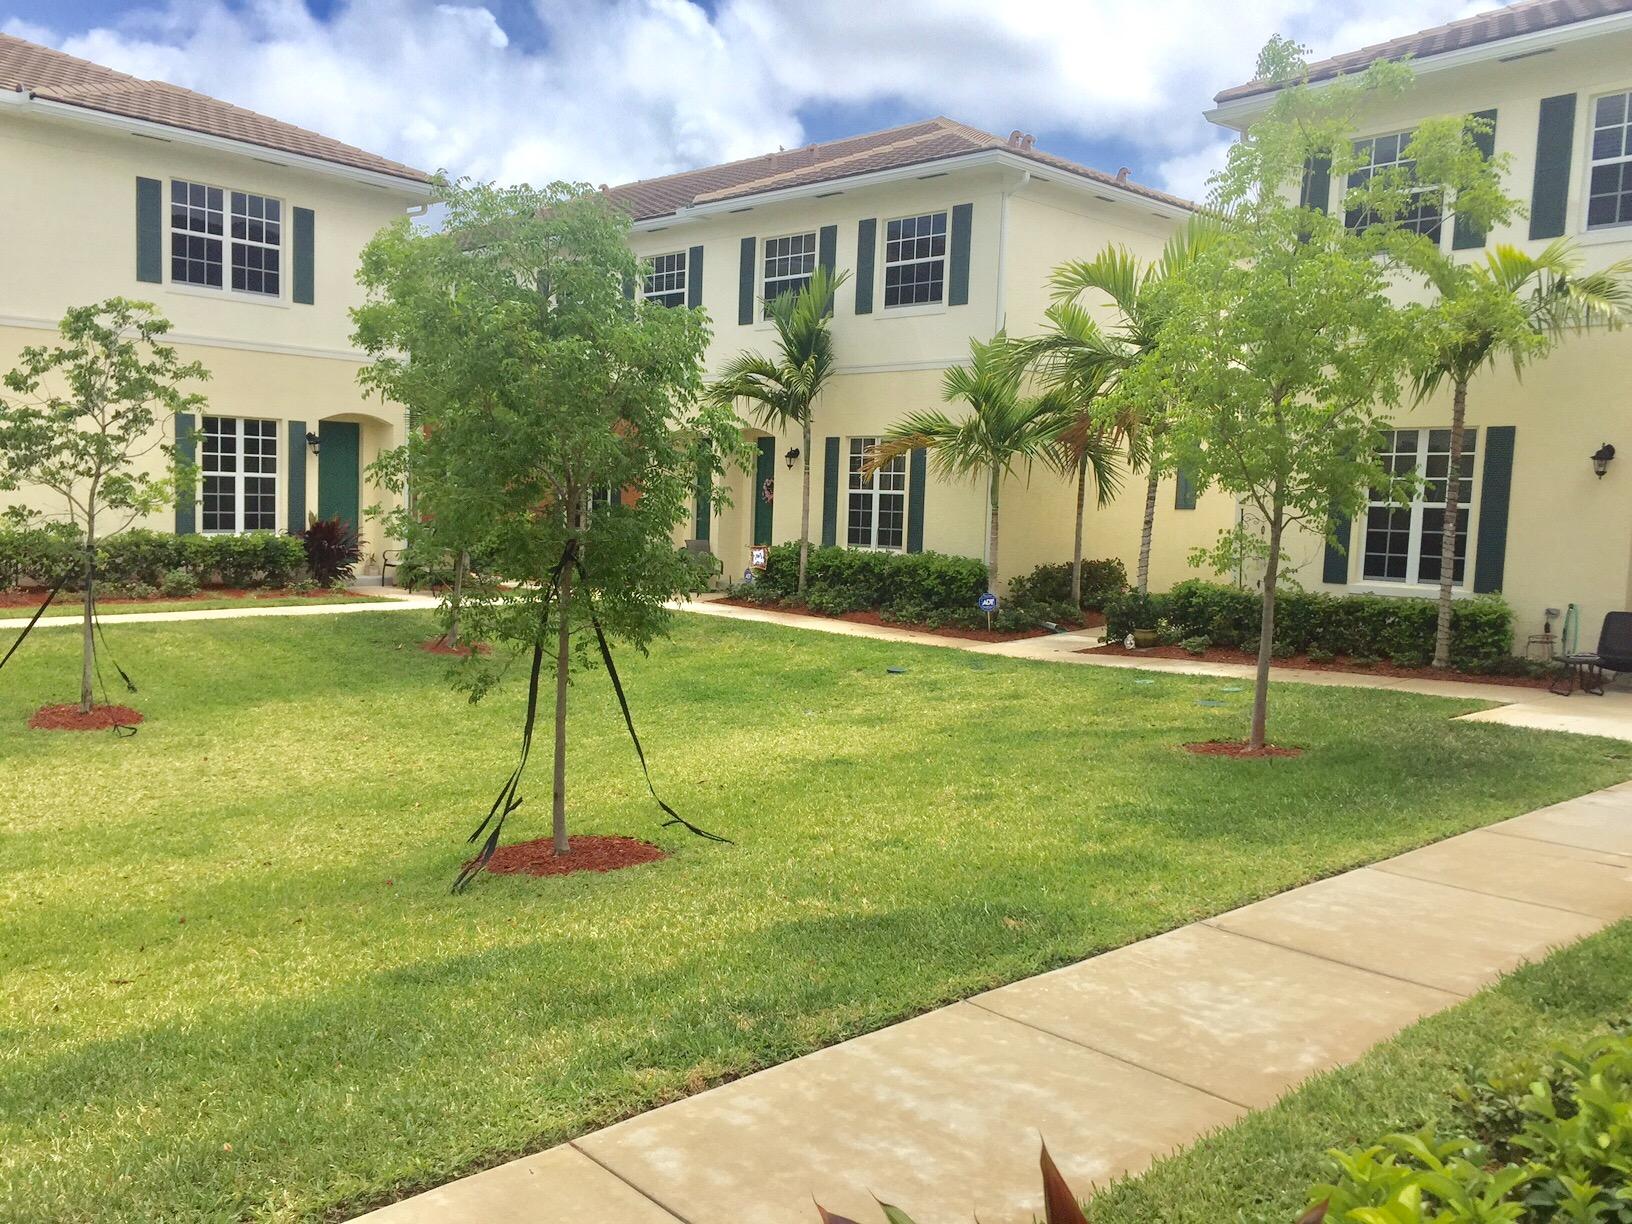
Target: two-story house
1541 523
245 232
947 233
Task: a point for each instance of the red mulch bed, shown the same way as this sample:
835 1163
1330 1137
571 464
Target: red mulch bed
1089 620
438 646
589 853
1220 654
68 718
1239 751
30 600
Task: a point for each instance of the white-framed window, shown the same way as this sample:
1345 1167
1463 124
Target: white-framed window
666 282
790 262
221 238
1402 543
1379 153
876 511
1609 168
239 474
915 260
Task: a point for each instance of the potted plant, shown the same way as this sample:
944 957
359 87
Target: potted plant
1144 614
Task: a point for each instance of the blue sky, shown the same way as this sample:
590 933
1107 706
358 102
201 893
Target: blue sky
608 90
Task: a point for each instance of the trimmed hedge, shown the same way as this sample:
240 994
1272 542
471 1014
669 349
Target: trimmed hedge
1397 628
1102 581
140 559
922 586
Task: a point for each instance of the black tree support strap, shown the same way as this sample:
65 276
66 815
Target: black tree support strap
38 612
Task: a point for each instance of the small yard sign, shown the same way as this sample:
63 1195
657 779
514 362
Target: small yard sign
987 602
759 556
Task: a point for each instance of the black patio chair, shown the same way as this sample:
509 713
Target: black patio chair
1614 654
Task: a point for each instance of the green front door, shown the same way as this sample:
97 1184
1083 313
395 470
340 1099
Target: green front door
764 474
339 471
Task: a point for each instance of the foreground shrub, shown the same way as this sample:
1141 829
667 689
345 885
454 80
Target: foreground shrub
37 553
1399 628
927 586
1536 1144
137 558
1102 581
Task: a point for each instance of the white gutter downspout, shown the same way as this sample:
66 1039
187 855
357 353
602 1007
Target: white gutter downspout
1002 256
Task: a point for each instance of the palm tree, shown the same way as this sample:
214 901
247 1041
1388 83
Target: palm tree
1513 305
782 390
1000 429
1134 290
1078 364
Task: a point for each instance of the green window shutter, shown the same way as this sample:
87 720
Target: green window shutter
917 473
694 278
1555 140
1336 567
1464 236
745 284
1184 491
957 292
1495 493
827 248
628 287
305 225
764 470
295 480
1317 184
186 447
866 244
150 230
830 492
704 508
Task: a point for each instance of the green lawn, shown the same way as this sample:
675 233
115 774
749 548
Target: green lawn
1264 1165
233 982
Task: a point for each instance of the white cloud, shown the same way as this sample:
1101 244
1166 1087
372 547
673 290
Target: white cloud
621 89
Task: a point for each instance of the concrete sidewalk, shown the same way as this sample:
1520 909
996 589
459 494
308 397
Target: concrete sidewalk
1116 1060
1520 705
394 600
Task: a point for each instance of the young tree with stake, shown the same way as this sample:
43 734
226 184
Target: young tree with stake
92 421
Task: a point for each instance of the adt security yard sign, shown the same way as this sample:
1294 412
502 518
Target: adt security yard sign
987 603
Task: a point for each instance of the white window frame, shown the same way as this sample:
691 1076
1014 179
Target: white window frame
889 481
1592 163
1405 137
766 280
229 242
683 271
1416 510
943 259
238 475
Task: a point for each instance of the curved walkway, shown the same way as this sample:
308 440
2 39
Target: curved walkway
394 600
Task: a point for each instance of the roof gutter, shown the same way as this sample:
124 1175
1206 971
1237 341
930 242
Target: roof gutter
1001 158
47 108
1238 113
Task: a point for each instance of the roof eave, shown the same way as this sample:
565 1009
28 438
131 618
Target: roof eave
1238 113
975 158
91 116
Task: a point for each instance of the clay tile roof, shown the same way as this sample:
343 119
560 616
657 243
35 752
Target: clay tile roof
1528 17
30 68
921 143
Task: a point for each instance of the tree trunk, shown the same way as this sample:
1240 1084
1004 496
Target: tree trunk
87 629
804 513
451 640
1447 543
991 535
1266 631
1148 529
558 799
1076 544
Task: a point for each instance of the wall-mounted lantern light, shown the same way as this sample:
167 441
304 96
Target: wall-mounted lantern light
1601 458
312 441
791 456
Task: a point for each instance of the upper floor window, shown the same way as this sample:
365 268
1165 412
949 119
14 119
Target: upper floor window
1381 153
876 514
1403 543
1609 188
790 262
666 282
915 260
240 475
212 230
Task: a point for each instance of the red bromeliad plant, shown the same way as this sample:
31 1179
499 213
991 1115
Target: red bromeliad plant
331 549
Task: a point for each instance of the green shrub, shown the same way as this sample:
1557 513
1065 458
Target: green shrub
37 553
1129 611
256 558
1319 654
197 556
1102 581
178 583
1393 627
137 557
924 587
1537 1144
1197 645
